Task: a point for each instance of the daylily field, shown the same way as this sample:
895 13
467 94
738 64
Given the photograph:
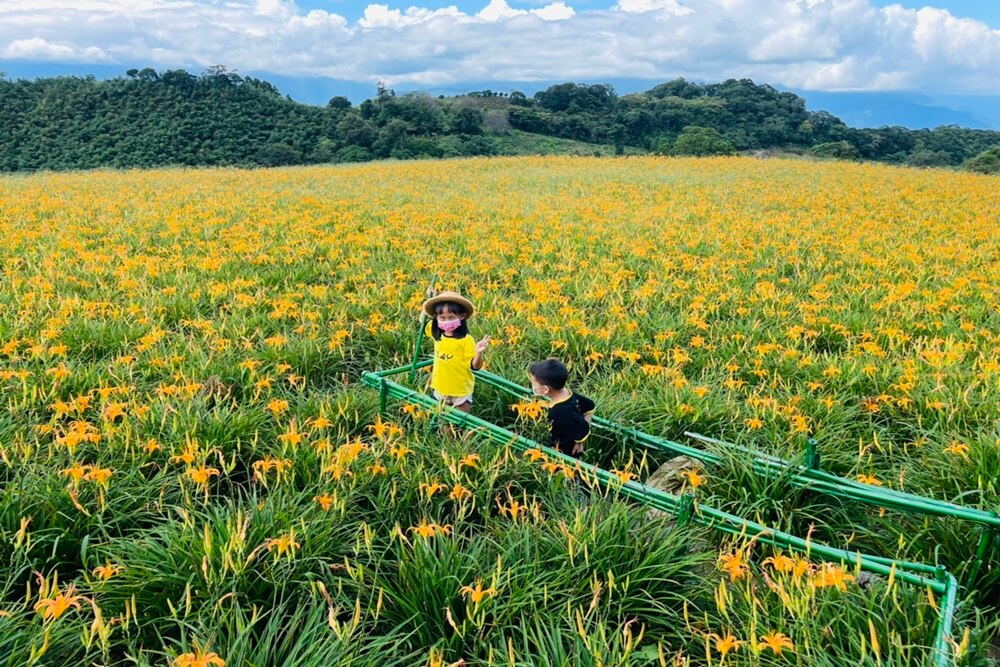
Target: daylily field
192 475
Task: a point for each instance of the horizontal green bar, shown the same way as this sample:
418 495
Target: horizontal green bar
650 496
926 568
928 505
802 475
402 369
945 583
731 445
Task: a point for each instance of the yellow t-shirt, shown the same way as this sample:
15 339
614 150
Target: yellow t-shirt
451 374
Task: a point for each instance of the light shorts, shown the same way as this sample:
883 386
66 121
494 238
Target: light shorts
453 401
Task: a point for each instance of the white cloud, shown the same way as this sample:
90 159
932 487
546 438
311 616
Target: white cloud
642 6
380 16
810 44
279 9
36 48
499 10
557 11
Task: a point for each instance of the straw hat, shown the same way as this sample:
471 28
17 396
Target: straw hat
454 297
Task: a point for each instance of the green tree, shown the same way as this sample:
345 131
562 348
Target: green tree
339 103
701 141
987 162
841 150
467 120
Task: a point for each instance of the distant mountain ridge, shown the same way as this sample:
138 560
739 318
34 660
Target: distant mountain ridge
856 109
146 118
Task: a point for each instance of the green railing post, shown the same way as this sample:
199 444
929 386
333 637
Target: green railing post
420 334
685 509
812 454
937 580
942 649
986 537
383 396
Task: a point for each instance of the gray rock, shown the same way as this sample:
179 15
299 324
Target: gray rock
669 478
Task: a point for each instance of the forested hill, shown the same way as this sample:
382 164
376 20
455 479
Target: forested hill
148 118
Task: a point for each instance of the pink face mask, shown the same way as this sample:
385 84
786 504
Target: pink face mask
449 325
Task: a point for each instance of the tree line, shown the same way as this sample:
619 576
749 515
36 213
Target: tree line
148 118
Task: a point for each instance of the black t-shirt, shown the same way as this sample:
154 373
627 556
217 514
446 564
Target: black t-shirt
568 424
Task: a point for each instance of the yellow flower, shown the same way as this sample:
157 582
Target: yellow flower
776 641
478 593
59 373
283 544
780 563
830 575
469 461
338 471
99 475
869 479
188 455
958 449
291 436
268 463
624 476
106 571
734 564
113 411
800 424
199 658
459 493
513 509
320 423
428 530
430 489
693 478
75 472
413 410
53 607
384 430
400 451
725 644
61 409
532 410
201 475
275 341
277 406
436 659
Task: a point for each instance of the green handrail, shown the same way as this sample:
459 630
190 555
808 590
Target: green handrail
943 583
807 473
420 333
801 475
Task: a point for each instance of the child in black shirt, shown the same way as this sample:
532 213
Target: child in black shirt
569 412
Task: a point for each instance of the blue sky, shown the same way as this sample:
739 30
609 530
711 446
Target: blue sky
946 47
987 11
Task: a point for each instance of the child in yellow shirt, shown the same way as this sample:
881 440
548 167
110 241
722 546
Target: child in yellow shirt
456 353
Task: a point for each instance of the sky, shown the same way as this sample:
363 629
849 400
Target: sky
949 47
987 11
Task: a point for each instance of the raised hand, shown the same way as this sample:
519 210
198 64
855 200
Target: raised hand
482 345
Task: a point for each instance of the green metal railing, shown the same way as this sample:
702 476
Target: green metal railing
807 476
937 579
